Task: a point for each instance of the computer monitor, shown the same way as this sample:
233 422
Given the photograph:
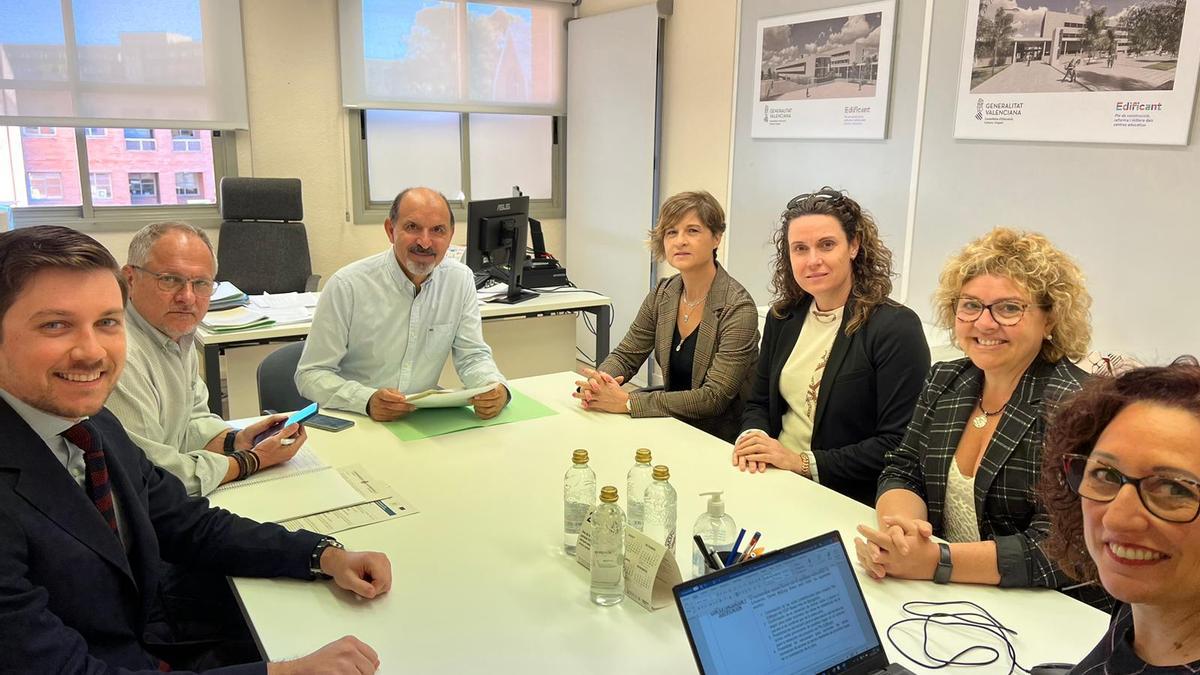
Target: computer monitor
497 234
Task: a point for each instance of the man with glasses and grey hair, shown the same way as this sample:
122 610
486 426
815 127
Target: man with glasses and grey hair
160 398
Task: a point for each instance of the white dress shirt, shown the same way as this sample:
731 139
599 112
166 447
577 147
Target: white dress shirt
372 329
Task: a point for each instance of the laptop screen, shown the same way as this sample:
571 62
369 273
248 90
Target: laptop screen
796 610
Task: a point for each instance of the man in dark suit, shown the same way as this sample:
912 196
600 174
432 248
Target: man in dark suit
85 519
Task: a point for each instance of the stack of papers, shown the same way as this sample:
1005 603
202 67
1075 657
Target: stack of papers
285 308
226 296
238 318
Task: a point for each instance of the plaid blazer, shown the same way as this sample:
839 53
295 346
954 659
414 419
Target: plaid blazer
1006 505
726 350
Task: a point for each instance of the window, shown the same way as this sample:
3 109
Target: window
37 131
140 139
45 186
143 188
467 156
184 140
466 96
103 183
101 186
188 186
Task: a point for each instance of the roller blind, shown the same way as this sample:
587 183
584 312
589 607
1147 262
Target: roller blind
122 63
453 55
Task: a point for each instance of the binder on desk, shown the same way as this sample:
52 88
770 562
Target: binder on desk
235 319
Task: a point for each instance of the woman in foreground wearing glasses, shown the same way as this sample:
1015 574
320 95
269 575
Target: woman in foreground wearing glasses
968 466
1121 480
701 325
841 364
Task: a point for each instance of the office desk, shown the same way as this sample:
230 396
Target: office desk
481 583
213 345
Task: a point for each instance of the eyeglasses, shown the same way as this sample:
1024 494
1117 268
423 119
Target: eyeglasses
835 197
1004 312
1172 498
171 283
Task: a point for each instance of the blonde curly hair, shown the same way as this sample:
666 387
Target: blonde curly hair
1052 279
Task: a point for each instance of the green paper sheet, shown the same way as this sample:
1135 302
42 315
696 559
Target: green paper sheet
429 422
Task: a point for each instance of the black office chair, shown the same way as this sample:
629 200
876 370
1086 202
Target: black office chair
263 246
276 380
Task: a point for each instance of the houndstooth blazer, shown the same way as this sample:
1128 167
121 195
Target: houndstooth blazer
1006 505
726 351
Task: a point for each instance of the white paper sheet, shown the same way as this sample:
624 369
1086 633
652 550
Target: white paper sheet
289 498
304 461
446 398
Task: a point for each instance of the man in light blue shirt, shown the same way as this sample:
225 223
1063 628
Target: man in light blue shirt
385 324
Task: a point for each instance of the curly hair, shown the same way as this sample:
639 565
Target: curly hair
1051 278
1074 429
871 269
708 212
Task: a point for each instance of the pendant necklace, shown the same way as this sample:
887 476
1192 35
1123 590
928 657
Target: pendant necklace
687 314
980 421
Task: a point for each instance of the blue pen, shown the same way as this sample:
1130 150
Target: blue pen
732 555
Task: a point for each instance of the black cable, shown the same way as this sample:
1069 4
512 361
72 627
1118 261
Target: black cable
979 619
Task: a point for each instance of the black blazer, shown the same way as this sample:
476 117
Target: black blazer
867 395
71 598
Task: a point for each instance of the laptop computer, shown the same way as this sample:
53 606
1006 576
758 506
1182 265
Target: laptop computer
796 610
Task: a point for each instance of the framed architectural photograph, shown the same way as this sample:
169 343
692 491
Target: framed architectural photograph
1089 71
825 74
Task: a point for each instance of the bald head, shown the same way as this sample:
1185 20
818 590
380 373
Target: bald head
414 197
419 226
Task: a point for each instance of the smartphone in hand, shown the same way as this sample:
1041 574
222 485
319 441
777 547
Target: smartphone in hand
300 416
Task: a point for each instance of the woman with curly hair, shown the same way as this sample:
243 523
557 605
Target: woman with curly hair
841 364
1121 482
968 465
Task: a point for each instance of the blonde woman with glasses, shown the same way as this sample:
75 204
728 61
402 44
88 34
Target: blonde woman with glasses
968 466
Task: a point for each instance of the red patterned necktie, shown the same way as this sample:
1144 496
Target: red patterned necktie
96 471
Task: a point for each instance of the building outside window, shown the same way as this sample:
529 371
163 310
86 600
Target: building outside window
101 184
37 131
140 139
45 186
188 186
185 140
143 188
95 132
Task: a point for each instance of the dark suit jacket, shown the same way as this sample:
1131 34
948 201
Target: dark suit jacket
71 599
868 391
726 349
1005 500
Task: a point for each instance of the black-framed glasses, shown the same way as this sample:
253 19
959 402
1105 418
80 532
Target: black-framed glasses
171 283
1004 312
795 202
1174 499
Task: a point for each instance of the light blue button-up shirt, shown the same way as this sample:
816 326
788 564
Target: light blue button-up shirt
372 329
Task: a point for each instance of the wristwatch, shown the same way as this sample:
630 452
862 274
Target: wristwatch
314 564
942 574
629 405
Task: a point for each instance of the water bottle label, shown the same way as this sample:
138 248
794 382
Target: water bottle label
607 567
574 514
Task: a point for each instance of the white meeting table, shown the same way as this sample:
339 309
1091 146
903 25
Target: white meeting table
550 303
481 584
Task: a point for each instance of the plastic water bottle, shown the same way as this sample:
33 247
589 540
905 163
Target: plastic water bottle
608 550
579 496
716 528
640 477
661 505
